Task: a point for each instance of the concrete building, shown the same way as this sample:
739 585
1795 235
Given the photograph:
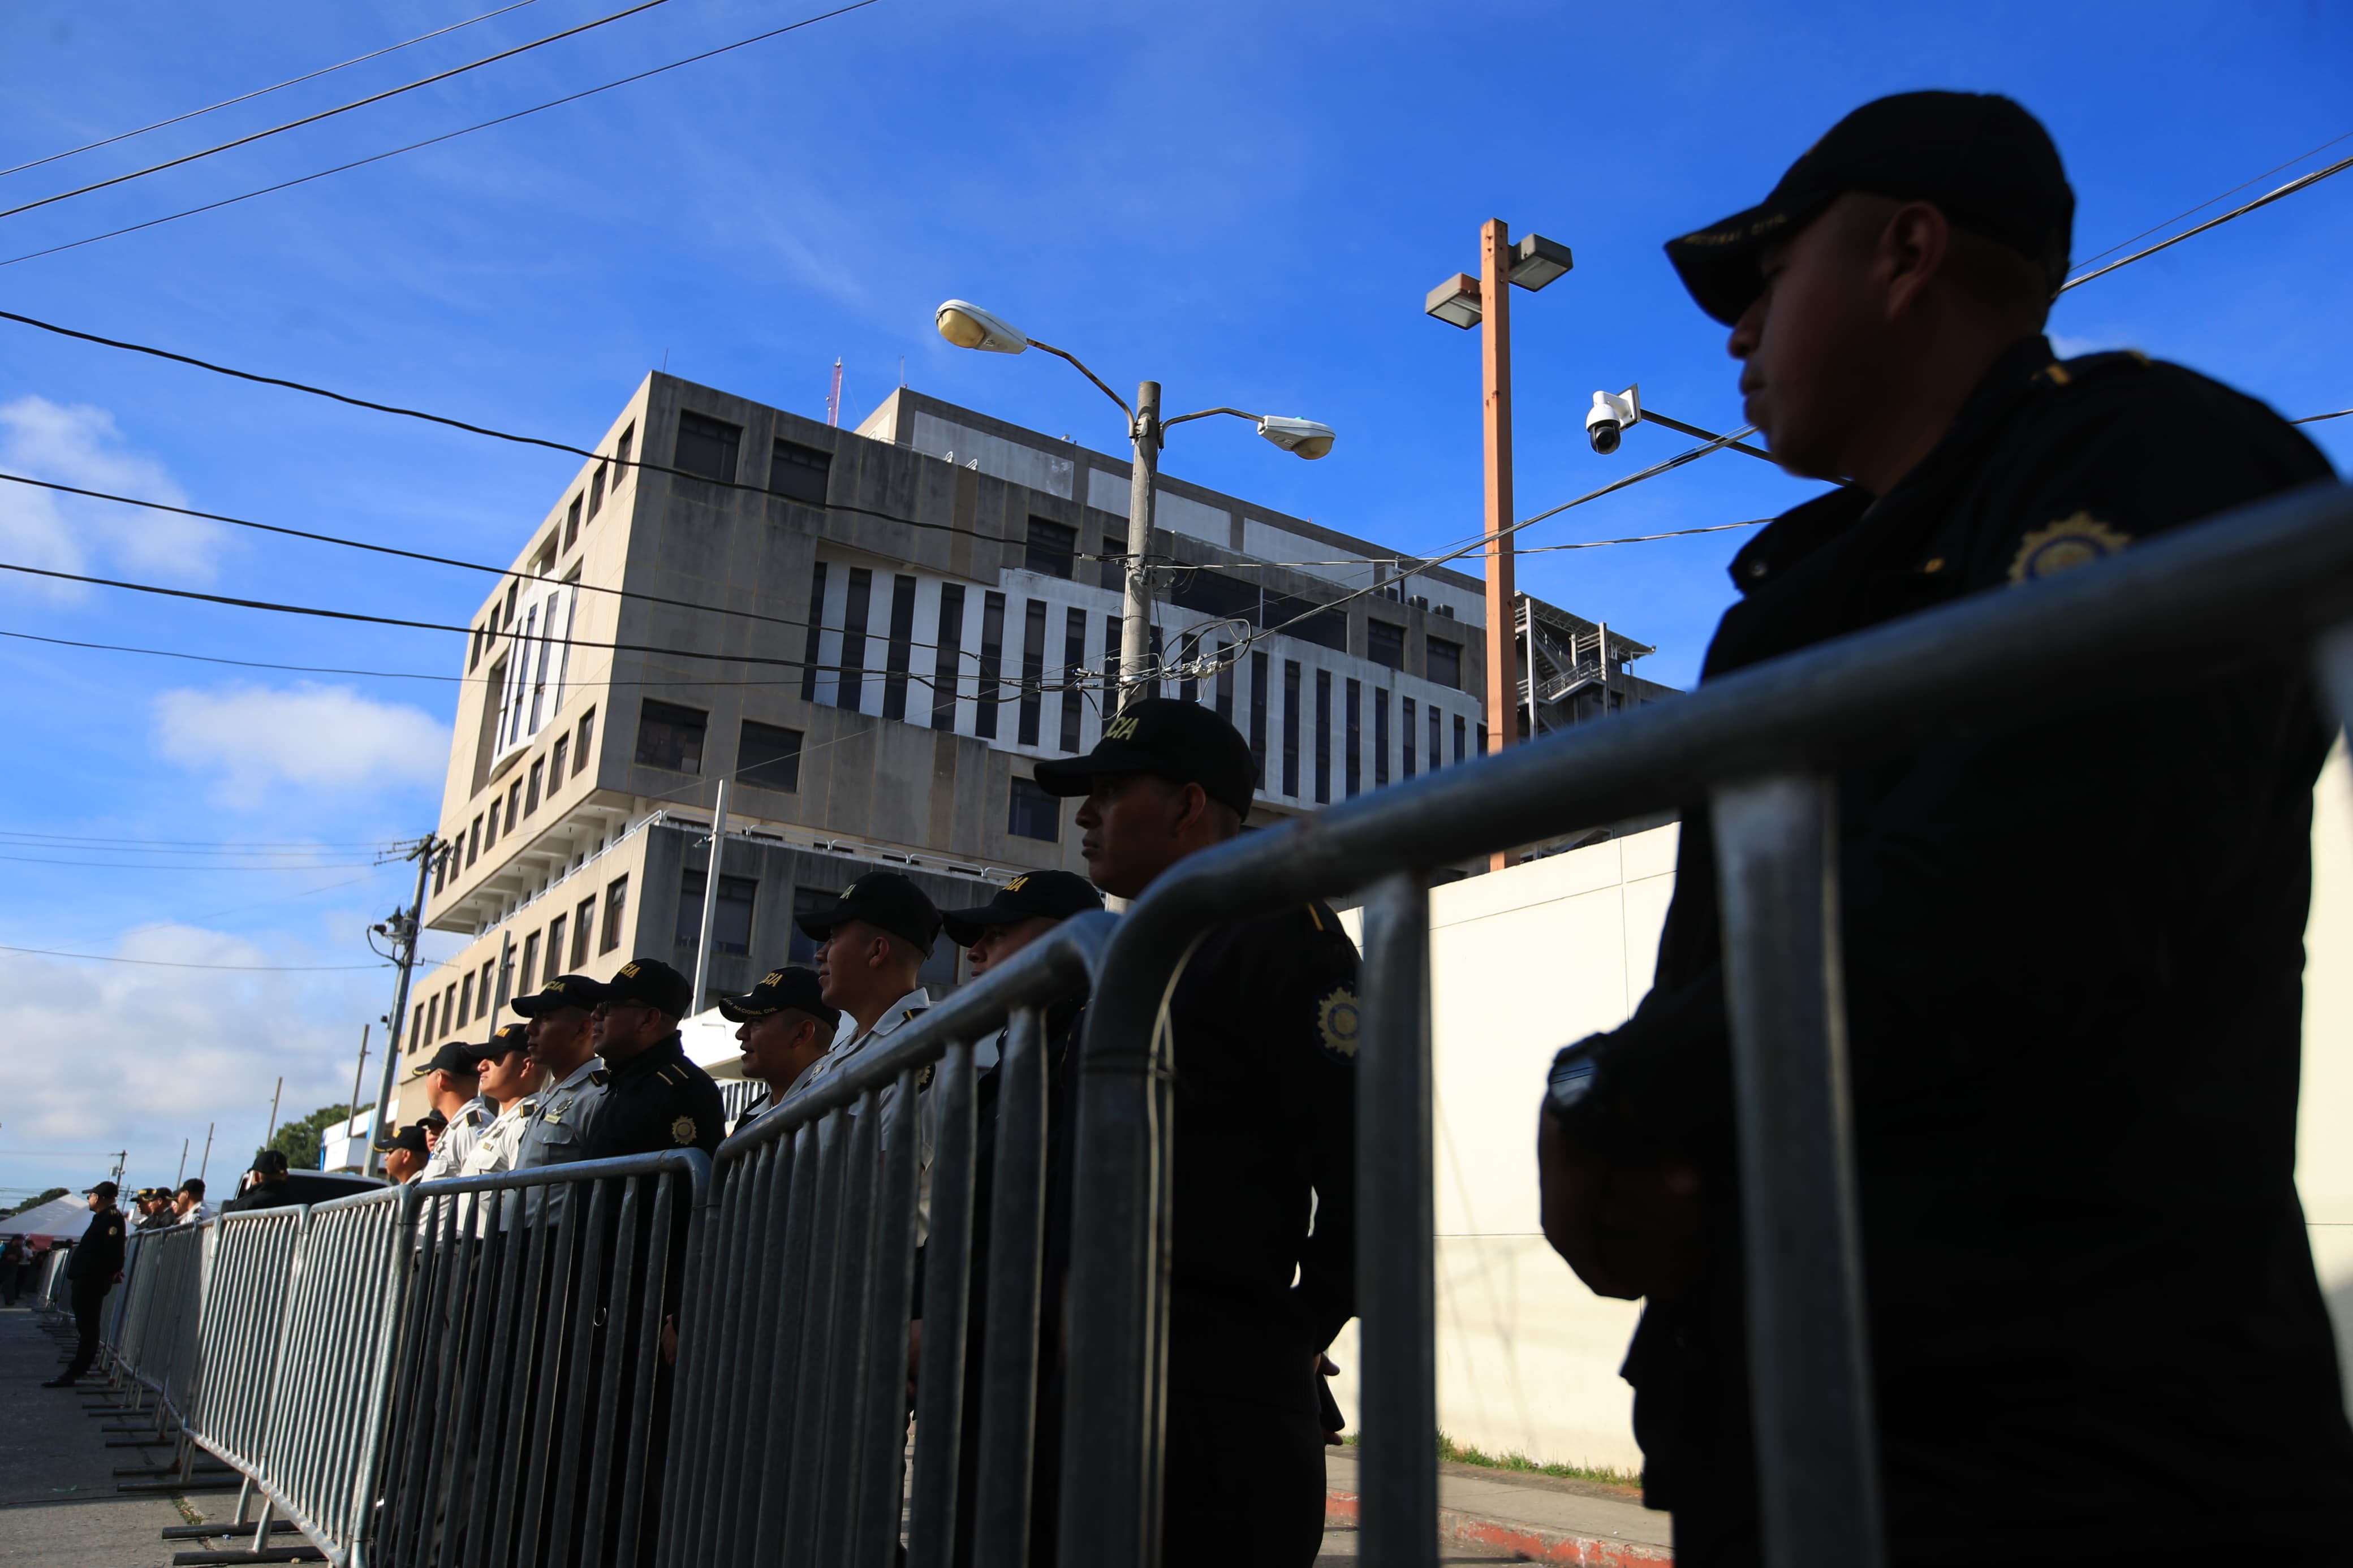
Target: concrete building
874 634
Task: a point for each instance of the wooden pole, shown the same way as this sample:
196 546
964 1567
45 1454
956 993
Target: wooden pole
1495 373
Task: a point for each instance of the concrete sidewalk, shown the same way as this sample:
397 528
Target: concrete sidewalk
1509 1514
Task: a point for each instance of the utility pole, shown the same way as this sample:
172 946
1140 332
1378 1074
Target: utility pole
183 1174
273 1110
352 1110
403 930
207 1163
1135 616
121 1163
710 899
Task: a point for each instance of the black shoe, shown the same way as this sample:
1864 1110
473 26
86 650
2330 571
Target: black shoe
61 1382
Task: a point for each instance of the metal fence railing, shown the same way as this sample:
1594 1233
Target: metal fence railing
476 1373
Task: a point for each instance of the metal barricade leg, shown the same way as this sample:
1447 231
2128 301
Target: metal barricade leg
1395 1226
1784 991
1008 1418
947 1284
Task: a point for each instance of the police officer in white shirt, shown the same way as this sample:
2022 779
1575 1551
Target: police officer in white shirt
871 945
453 1088
510 1074
556 1131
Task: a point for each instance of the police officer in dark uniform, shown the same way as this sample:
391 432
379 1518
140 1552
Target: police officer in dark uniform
2072 952
654 1098
1263 1028
95 1267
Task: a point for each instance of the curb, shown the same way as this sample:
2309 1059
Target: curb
1528 1542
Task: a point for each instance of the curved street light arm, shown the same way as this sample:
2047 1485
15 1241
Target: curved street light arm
1107 391
1204 413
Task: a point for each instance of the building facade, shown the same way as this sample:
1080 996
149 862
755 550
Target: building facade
873 634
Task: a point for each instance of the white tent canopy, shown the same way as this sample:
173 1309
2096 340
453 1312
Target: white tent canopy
62 1218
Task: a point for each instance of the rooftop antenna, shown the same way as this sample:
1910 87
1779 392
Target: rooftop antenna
903 370
833 398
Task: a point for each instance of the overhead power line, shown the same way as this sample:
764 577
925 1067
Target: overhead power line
161 964
246 140
445 136
134 866
265 91
2302 181
286 844
2209 201
2316 418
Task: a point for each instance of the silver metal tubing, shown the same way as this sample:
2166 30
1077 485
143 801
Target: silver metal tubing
1395 1224
772 1481
1010 1347
816 1334
1784 993
875 1541
844 1365
947 1276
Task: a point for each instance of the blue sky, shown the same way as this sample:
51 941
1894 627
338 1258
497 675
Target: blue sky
1247 205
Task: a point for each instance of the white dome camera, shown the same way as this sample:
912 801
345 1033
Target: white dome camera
1607 421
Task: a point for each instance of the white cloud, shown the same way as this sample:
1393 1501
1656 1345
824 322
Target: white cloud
76 444
258 737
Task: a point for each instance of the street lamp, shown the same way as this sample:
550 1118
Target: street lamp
967 326
1484 301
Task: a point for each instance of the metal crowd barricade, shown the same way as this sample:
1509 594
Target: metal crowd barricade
153 1342
793 1421
2273 581
239 1329
56 1291
531 1380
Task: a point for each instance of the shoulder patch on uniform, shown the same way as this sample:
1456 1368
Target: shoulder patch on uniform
1314 919
1337 1021
682 1132
599 1078
2069 542
910 1014
924 1078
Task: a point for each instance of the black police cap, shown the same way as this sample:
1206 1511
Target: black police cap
1183 742
652 981
270 1163
505 1038
462 1060
563 990
1980 157
793 987
1057 895
885 900
411 1138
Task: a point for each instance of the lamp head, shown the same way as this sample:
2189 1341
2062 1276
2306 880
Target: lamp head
1302 437
968 326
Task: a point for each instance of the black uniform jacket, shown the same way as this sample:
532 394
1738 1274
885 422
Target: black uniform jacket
97 1257
2073 977
655 1101
1262 1026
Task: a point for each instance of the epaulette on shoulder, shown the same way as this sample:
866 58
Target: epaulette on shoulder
2067 372
671 1075
600 1077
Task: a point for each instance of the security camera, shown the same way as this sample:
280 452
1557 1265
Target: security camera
1607 420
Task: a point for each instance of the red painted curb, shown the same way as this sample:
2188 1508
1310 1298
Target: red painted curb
1525 1543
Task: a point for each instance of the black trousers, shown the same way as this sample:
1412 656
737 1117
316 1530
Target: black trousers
88 1297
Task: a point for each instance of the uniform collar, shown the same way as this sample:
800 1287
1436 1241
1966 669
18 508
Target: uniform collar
905 1011
653 1058
580 1074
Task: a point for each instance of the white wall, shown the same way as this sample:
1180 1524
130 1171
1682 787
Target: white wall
1528 960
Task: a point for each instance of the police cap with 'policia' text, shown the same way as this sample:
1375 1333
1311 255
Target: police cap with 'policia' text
792 987
651 981
411 1138
453 1058
1055 895
1183 742
563 990
505 1038
1982 158
885 900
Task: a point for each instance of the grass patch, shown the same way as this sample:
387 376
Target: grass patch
1463 1454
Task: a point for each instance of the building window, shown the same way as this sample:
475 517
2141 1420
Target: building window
1384 644
440 871
1405 733
483 1006
584 920
1353 712
798 473
450 1016
416 1027
671 737
514 807
902 641
514 589
1433 740
587 733
948 654
555 943
992 663
1258 720
530 795
1291 727
1322 737
466 996
1188 648
802 948
1051 548
1036 814
617 904
1380 737
1445 662
621 468
531 690
572 524
730 921
474 654
768 756
530 962
493 838
474 841
555 756
595 492
1154 686
1114 563
706 446
1033 669
432 1020
1113 632
1459 752
1075 662
816 634
1225 683
850 691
